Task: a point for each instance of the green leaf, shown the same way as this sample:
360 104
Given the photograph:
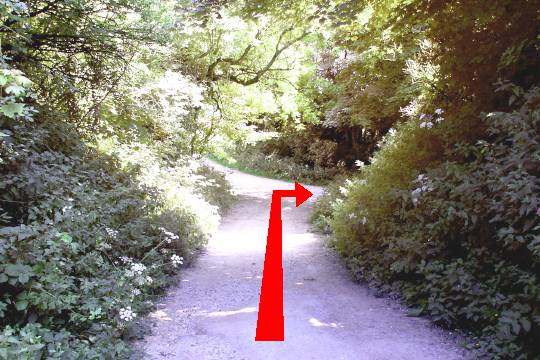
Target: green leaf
515 327
526 324
65 237
3 307
21 305
24 277
11 110
15 89
19 271
414 312
22 80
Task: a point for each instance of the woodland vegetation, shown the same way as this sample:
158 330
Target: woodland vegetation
422 116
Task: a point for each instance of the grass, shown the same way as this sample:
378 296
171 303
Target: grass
238 165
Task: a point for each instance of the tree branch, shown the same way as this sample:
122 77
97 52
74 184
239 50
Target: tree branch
258 74
211 73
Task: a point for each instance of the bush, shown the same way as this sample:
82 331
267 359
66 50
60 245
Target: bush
461 242
329 202
88 241
250 158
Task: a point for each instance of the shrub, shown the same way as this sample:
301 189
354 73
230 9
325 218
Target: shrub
461 241
329 202
88 240
250 158
322 152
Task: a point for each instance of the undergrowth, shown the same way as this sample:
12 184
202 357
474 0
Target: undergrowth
253 161
90 236
459 242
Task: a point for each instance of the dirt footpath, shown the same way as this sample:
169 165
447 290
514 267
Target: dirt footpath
212 313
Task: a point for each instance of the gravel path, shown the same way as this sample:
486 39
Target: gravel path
212 313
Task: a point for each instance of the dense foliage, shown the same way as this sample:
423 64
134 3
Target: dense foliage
444 212
83 241
461 243
258 160
422 115
101 198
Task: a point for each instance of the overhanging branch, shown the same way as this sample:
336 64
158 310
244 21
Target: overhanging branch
258 74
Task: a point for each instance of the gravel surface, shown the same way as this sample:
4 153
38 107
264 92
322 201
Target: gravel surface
212 313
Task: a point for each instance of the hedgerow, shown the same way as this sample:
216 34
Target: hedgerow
251 158
459 242
88 240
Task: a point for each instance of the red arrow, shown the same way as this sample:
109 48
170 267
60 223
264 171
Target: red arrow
270 322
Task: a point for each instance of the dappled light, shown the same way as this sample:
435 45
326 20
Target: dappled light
230 243
141 142
160 315
295 242
316 323
229 313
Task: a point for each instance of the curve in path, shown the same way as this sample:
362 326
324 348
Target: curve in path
212 313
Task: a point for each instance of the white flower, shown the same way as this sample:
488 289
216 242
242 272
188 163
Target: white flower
136 269
415 194
359 163
112 233
439 119
149 279
169 236
427 184
136 292
126 314
410 109
352 216
177 260
125 259
426 124
439 111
